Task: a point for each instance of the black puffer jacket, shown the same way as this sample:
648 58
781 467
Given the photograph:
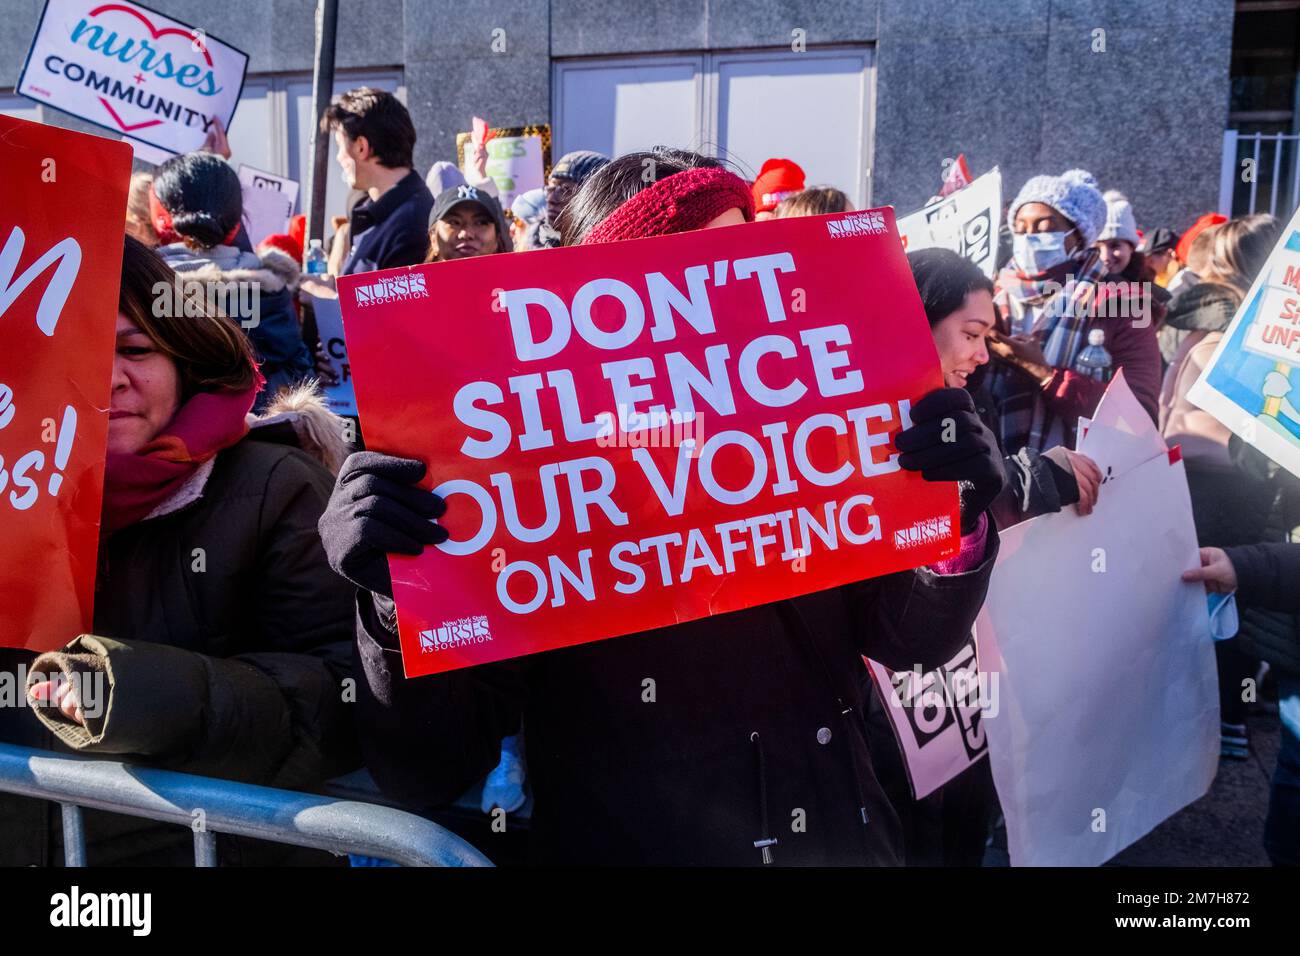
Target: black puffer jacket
1269 574
684 745
1269 585
226 661
1036 484
1203 307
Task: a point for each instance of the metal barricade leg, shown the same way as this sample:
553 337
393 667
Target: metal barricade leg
205 848
74 835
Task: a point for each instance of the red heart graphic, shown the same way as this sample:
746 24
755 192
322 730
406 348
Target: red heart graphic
110 7
125 127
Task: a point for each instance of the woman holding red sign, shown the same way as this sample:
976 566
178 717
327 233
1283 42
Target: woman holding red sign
729 740
221 636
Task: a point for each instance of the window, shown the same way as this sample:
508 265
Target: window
1264 53
1261 158
812 107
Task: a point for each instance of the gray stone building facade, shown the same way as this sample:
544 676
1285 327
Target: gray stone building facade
1137 91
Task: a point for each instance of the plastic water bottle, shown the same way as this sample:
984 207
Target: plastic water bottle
1094 361
316 263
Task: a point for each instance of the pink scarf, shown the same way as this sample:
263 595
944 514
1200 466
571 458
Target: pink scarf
135 484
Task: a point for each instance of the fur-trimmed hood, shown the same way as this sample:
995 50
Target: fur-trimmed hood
314 428
273 271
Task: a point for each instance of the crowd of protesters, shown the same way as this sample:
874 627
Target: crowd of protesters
280 664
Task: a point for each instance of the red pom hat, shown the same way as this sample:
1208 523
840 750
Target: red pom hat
777 179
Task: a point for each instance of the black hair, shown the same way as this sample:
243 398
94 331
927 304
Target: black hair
380 117
203 196
944 279
618 181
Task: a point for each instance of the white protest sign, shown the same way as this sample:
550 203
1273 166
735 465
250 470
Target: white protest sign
1125 437
1109 710
134 71
967 222
268 202
1249 384
266 213
340 398
938 717
1275 333
251 177
516 162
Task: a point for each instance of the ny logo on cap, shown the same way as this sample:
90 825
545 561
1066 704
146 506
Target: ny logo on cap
466 192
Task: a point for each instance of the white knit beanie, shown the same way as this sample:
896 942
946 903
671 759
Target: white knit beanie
443 176
1120 223
1074 194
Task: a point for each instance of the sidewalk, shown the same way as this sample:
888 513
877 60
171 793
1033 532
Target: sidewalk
1226 826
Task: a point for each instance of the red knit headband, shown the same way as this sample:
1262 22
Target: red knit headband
681 202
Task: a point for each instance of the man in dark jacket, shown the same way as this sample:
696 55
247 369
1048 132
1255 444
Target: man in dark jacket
729 740
1268 576
376 140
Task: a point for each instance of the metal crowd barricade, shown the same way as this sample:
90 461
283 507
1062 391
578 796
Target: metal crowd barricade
210 806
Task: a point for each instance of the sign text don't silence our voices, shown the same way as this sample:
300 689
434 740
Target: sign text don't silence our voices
700 382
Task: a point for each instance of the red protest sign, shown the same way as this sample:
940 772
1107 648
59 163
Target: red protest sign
641 433
62 210
956 177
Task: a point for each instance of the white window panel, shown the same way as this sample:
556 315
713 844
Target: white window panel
812 107
617 106
254 134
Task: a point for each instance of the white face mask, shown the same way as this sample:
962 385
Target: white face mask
1036 252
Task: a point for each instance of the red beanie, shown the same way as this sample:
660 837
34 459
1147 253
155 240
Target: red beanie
1184 247
681 202
286 243
777 179
298 231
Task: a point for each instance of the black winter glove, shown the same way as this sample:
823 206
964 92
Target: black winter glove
948 442
375 511
1067 486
